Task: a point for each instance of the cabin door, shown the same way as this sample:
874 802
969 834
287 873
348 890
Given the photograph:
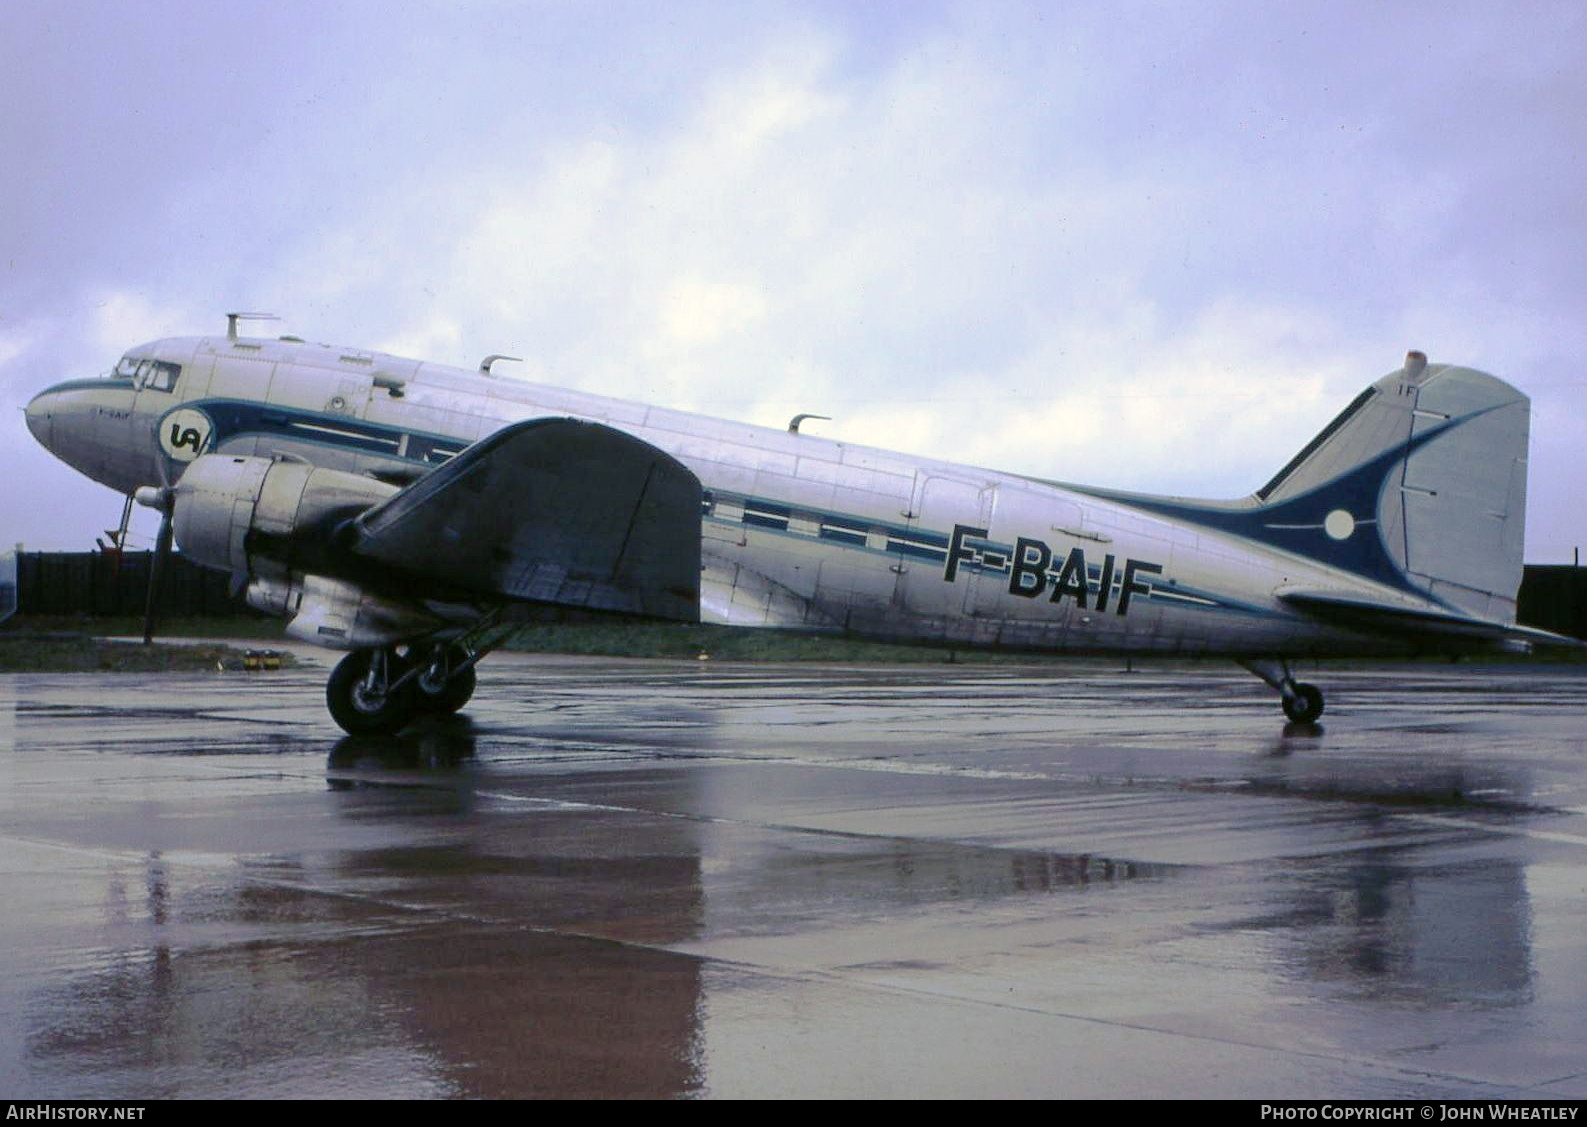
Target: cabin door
927 584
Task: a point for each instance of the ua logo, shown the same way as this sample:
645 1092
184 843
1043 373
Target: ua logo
181 437
185 433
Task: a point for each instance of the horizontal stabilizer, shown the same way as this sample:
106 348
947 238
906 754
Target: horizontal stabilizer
1408 621
550 510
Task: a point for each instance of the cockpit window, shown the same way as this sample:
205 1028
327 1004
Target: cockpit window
149 375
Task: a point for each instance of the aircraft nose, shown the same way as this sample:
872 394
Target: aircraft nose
39 415
88 424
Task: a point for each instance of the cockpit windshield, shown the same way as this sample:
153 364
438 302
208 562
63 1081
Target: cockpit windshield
149 375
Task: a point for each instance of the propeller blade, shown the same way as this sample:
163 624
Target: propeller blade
162 552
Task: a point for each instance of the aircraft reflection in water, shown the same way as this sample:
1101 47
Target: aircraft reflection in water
409 513
445 742
377 1011
292 990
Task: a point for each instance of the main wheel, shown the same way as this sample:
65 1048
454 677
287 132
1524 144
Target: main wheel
449 697
1304 704
361 708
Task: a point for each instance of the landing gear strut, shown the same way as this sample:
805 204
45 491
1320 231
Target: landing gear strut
1302 702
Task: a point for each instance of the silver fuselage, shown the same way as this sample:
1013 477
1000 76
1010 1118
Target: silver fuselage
798 531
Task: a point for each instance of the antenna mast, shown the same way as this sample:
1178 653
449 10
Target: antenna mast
233 318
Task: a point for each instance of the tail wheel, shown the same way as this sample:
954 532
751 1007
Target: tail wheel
359 698
1303 703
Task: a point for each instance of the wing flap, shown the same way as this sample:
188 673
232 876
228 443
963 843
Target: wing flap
552 510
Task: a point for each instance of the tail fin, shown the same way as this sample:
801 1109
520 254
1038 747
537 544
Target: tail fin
1433 459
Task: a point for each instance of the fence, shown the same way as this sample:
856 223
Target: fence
1554 597
117 584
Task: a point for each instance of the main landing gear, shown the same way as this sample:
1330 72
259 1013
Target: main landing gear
1302 702
378 691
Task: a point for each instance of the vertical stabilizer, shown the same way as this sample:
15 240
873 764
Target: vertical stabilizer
1433 458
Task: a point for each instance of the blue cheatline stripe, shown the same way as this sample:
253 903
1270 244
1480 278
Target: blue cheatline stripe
92 383
235 418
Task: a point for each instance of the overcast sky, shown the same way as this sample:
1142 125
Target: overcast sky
1149 246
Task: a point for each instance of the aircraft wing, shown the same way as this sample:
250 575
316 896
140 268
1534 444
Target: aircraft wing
552 510
1361 611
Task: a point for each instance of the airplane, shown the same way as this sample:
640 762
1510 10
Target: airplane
415 515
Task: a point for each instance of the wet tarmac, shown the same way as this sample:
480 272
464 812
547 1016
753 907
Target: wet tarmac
699 879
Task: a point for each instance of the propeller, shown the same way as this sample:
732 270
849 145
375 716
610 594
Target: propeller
163 498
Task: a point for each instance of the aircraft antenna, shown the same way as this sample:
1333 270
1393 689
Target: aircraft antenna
484 365
793 423
233 318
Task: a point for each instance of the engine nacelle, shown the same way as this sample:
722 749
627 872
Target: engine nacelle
260 516
337 614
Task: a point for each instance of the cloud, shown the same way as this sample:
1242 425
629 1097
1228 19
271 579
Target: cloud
695 312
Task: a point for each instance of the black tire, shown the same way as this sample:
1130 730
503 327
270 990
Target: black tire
457 691
355 712
1304 705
